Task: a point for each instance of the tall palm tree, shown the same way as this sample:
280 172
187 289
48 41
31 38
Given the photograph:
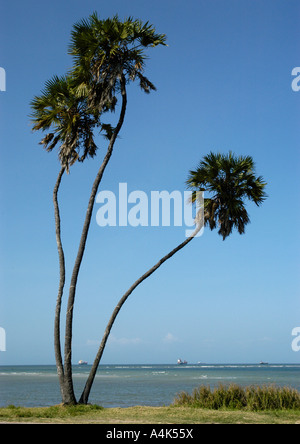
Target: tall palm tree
108 54
230 180
69 126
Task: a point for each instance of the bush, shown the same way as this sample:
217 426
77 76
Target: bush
55 411
253 398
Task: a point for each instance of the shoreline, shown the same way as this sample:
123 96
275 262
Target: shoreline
130 385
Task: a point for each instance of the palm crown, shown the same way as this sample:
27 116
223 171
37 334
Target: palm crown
59 110
230 180
106 50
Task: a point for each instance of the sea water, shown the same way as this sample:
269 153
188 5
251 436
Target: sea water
129 385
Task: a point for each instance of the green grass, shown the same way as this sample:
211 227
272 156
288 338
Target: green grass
143 415
253 398
56 411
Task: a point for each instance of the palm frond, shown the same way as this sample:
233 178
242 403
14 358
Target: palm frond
231 180
104 50
65 114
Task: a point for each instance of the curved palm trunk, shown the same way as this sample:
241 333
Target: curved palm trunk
85 394
62 274
68 383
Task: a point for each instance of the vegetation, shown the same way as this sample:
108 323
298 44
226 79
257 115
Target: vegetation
254 398
107 56
93 414
230 181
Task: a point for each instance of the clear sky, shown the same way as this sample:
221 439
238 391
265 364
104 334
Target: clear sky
223 83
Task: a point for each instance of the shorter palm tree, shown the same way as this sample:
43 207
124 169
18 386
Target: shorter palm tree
63 114
230 180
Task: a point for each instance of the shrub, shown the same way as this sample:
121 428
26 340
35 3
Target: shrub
254 398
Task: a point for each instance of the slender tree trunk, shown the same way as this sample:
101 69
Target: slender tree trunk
62 274
68 384
86 392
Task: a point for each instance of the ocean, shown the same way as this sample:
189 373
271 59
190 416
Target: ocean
129 385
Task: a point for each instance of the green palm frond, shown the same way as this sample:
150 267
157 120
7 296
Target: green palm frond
65 115
231 180
104 50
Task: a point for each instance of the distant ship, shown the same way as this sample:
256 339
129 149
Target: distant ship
82 362
180 362
263 363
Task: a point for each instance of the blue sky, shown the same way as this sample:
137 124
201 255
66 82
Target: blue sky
223 83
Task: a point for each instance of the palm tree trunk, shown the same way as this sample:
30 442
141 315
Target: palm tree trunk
85 394
68 384
62 274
